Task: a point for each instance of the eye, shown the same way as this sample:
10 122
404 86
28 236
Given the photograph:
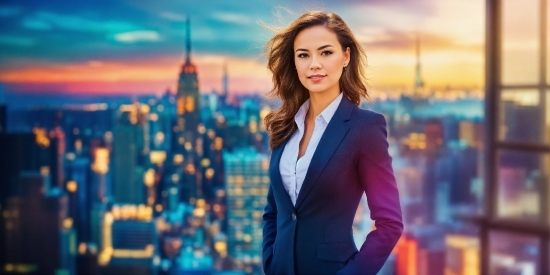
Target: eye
302 55
326 53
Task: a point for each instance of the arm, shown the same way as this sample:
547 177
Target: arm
376 176
270 228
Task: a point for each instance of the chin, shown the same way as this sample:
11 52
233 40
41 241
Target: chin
316 89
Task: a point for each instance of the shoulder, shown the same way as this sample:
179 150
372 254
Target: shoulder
367 117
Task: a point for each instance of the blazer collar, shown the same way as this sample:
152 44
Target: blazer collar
334 133
330 140
277 181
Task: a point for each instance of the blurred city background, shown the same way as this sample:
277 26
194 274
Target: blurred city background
132 137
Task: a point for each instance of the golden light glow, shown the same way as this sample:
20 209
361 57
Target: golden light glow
157 157
190 168
72 186
468 249
175 178
153 117
189 104
45 171
144 108
149 178
158 208
221 248
209 173
131 253
101 161
188 146
20 268
180 106
205 162
78 146
201 129
159 138
82 248
178 159
41 137
68 223
201 203
199 212
218 143
253 126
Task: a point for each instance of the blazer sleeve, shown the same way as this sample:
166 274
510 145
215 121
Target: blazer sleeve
270 228
376 176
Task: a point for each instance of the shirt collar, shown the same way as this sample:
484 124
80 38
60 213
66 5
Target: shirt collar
326 115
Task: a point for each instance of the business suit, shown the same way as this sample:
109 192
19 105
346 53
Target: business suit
314 236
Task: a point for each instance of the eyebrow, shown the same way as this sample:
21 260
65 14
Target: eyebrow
320 48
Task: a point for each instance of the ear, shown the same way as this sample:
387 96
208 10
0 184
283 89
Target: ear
347 56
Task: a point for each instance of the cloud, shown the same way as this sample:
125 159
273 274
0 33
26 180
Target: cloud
173 16
229 17
9 11
19 41
405 41
137 36
36 24
76 23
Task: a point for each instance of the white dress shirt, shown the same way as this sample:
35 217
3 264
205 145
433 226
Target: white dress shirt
293 170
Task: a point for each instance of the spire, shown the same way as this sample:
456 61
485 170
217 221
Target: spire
188 42
225 79
418 83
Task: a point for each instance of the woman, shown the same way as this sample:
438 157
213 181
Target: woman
325 153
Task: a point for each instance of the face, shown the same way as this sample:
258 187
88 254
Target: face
319 60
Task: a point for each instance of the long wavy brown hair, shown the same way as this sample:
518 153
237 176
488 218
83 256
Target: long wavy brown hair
287 86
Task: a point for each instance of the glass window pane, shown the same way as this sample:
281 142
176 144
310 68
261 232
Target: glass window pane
513 253
462 254
520 42
521 116
522 181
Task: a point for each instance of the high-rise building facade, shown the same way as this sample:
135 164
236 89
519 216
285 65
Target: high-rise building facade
247 181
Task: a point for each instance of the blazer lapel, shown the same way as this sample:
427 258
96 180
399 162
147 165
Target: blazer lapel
332 137
276 180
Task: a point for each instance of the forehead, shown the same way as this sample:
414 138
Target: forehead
314 37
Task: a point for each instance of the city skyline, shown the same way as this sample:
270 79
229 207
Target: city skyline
134 47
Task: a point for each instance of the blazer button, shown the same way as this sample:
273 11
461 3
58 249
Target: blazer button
293 216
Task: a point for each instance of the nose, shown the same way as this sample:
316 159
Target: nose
315 64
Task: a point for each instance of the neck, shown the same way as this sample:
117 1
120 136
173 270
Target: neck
319 102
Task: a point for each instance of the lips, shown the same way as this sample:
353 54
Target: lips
316 77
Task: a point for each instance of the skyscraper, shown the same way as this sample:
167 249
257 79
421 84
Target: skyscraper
247 181
225 85
128 143
39 234
188 95
419 83
188 119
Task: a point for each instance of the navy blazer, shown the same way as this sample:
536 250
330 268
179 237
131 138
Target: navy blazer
315 235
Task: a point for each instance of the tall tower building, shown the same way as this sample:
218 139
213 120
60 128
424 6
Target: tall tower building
128 143
419 83
225 84
189 142
188 97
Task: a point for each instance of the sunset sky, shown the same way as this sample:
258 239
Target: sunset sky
137 46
